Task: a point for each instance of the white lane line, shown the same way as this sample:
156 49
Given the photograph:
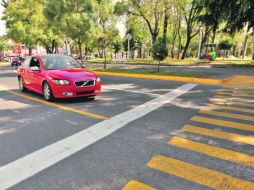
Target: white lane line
15 71
132 91
16 111
72 122
23 168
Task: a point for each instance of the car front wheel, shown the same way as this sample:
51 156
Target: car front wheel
21 84
47 92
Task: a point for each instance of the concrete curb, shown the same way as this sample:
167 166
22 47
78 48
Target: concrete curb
237 80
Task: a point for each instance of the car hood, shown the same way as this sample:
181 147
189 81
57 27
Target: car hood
72 74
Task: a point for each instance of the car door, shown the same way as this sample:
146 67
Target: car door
35 77
24 72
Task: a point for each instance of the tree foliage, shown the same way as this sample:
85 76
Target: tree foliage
26 24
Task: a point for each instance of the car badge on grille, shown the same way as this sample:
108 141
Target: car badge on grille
85 83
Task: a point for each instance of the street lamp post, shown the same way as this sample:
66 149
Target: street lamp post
128 37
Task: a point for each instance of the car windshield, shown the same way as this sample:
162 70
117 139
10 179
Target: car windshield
56 62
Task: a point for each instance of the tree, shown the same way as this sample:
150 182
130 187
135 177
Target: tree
105 18
4 44
225 45
212 16
27 24
139 35
190 14
160 50
72 18
240 16
151 11
4 3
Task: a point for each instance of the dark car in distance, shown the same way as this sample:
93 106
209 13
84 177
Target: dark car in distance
17 61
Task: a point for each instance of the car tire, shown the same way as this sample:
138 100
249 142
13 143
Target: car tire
47 92
21 84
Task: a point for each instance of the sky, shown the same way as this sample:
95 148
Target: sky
2 24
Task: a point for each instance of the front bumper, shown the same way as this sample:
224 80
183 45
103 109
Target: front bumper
71 91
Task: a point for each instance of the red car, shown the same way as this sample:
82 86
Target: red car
57 76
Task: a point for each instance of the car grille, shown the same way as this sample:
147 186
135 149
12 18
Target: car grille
84 93
85 83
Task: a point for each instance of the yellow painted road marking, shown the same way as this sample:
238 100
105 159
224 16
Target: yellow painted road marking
231 108
159 77
228 115
199 175
235 94
222 123
213 151
135 185
58 106
222 101
219 134
235 99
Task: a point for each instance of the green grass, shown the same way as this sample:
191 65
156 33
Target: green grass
149 71
187 61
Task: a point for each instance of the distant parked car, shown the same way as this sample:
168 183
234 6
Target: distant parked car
58 76
17 61
6 59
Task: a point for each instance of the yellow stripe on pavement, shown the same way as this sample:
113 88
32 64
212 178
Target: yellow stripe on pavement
231 108
235 99
225 102
135 185
213 151
222 123
199 175
219 134
228 115
59 106
160 77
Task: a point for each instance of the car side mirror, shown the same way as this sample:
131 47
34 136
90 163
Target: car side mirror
35 69
83 65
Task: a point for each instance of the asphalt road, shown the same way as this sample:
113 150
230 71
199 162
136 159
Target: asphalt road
156 137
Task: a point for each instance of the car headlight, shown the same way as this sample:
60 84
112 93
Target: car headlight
98 79
61 82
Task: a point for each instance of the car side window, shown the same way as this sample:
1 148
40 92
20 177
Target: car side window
27 62
34 62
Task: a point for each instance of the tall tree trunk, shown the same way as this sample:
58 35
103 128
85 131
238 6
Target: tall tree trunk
80 50
30 49
245 45
105 58
165 26
173 43
253 52
179 45
234 50
214 35
186 47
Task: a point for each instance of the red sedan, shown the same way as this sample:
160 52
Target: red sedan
57 76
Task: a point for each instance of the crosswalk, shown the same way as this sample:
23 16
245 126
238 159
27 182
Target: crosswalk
229 117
